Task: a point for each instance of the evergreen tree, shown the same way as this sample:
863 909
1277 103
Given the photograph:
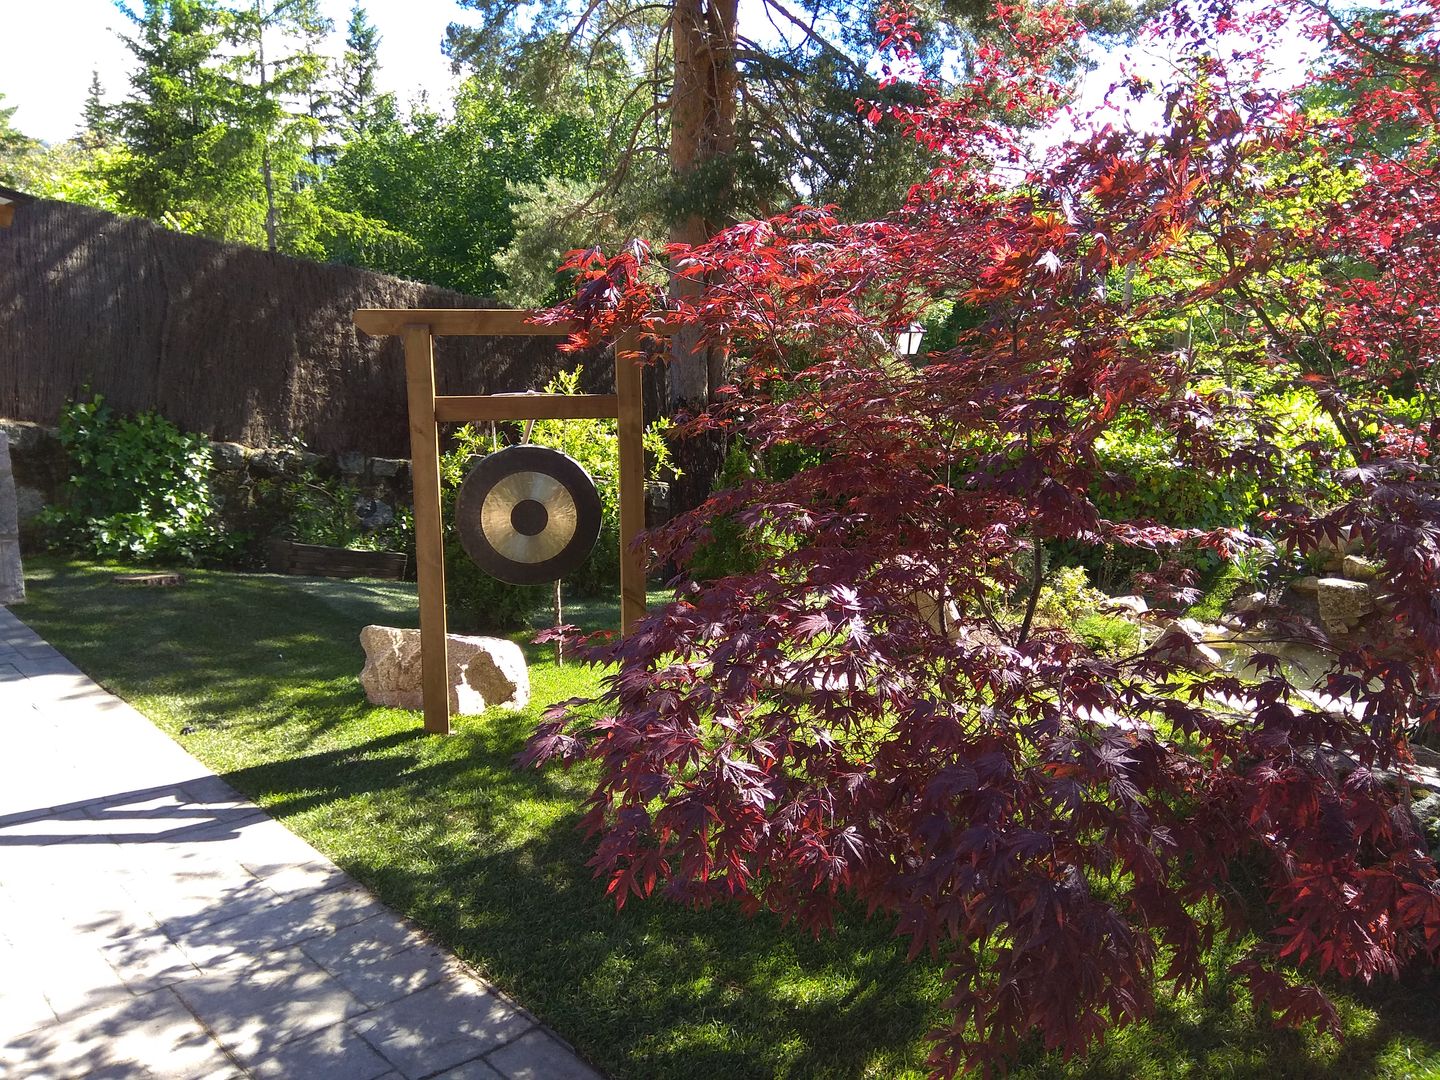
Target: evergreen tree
15 146
188 162
97 129
355 91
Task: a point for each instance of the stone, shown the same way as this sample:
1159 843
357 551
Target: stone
1133 605
12 574
387 467
373 514
1343 601
272 462
229 455
485 672
1345 544
1359 568
927 606
29 502
1249 602
350 463
1306 584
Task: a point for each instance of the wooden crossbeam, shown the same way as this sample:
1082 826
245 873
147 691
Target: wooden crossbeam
450 409
459 322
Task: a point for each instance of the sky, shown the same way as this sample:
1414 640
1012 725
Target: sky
48 49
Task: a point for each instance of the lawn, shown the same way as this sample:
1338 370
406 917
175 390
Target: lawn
260 671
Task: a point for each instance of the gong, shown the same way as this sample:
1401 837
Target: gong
528 514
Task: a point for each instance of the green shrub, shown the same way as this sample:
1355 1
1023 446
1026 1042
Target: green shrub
316 510
138 488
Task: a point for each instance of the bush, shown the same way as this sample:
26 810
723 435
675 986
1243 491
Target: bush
138 488
316 510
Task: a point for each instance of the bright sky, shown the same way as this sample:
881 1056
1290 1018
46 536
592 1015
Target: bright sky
49 47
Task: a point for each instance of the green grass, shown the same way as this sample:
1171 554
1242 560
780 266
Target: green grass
487 857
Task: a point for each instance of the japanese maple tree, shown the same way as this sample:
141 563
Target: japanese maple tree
861 715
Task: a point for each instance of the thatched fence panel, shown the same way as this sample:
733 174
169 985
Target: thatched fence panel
230 341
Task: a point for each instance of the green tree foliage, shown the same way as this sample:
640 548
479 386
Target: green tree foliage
185 164
15 146
214 130
433 198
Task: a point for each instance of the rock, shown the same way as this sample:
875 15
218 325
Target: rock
350 463
1343 601
373 514
29 502
927 606
387 467
1250 602
485 672
1346 544
1359 568
1132 605
274 462
1306 585
229 455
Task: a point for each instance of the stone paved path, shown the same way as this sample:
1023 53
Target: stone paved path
153 923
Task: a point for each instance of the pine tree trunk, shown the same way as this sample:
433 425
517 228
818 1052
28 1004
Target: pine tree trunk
703 106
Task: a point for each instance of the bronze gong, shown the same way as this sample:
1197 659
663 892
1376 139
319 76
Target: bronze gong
528 514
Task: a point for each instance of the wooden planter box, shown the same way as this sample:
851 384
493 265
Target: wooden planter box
315 560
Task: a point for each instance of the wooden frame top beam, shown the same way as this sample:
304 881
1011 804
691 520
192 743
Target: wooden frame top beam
527 407
459 322
469 322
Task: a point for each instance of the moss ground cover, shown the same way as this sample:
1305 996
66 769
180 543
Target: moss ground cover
487 857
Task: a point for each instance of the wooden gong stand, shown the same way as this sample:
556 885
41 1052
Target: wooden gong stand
418 328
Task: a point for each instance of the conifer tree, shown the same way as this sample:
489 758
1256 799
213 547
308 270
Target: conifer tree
14 144
97 129
187 161
355 90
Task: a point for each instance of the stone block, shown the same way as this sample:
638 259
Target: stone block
229 455
484 673
1359 568
537 1055
1342 601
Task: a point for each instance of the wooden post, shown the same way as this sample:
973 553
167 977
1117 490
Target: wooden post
429 540
631 410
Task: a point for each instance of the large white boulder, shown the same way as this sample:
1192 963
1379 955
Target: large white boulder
485 672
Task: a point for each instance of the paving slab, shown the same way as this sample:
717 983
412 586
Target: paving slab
155 924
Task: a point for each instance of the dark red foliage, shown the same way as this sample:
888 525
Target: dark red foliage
852 718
